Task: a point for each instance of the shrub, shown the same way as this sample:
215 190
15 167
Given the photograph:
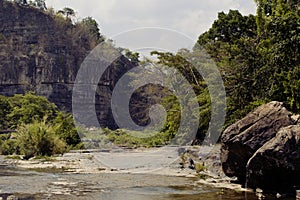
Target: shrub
8 147
5 109
28 114
130 138
200 167
39 138
2 37
64 126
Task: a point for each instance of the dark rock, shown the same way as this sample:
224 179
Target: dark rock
242 139
27 157
276 165
191 163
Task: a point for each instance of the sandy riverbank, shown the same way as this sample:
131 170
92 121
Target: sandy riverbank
157 161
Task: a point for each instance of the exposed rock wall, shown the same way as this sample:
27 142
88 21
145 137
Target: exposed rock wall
41 52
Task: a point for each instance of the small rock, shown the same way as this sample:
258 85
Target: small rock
259 194
258 190
191 163
278 195
12 197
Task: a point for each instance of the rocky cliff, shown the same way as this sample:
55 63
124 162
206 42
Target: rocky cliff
42 52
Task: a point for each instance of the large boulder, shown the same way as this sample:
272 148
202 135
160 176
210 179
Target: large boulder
242 139
276 165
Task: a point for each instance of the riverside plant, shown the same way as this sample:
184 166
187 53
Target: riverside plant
200 167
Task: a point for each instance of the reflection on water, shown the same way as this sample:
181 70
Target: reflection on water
40 185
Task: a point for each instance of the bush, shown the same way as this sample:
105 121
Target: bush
200 167
39 139
5 109
8 147
127 138
65 128
28 114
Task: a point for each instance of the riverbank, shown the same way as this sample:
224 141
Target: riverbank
165 161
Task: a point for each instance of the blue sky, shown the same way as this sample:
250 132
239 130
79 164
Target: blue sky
190 17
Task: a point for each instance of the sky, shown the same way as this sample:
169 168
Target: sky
124 20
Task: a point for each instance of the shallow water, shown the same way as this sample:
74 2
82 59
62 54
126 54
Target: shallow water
26 184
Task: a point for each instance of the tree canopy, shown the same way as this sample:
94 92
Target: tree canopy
258 55
68 12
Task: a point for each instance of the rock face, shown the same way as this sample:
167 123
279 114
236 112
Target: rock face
276 165
241 140
42 52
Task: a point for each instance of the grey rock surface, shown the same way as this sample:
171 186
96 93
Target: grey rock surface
276 165
242 139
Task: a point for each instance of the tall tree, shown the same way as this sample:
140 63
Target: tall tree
92 25
261 65
41 4
68 12
280 47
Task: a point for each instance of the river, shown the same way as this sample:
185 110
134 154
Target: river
88 177
28 184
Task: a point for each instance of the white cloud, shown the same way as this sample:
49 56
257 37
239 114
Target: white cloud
191 17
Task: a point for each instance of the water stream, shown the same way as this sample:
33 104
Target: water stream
27 184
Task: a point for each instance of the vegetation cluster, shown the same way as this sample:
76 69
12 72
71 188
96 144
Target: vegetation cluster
32 126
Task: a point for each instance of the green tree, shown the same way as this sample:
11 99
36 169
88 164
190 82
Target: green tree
29 107
257 66
182 62
229 28
92 26
41 4
41 128
5 109
280 47
132 56
68 12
